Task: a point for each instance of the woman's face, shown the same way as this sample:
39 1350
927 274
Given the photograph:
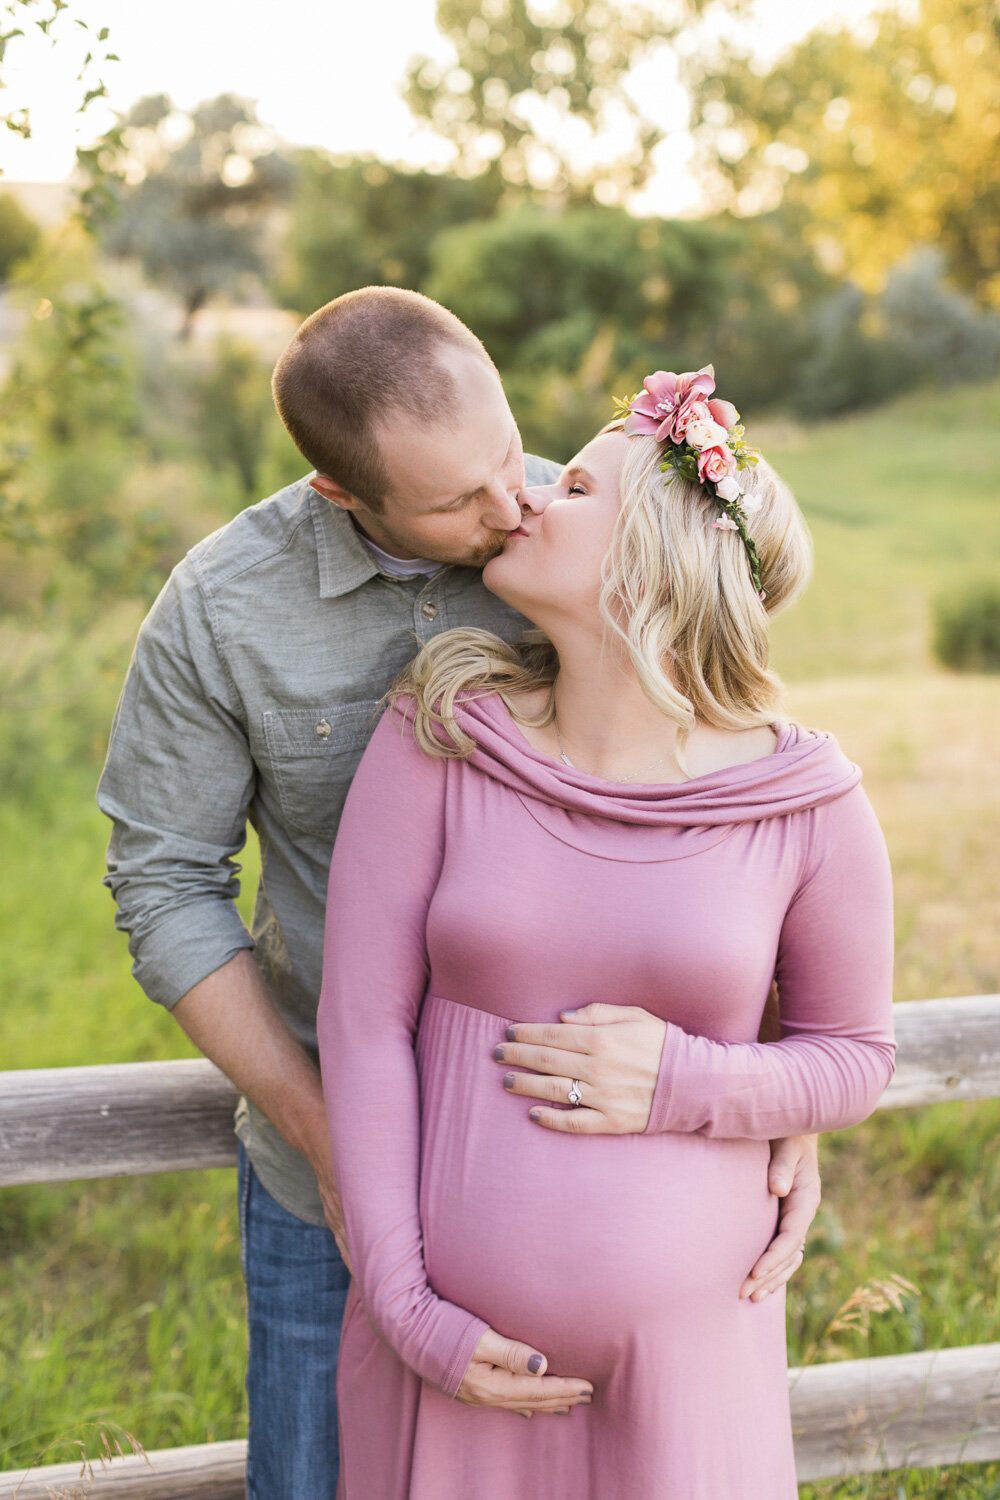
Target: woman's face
551 565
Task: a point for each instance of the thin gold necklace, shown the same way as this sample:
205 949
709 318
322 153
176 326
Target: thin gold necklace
564 757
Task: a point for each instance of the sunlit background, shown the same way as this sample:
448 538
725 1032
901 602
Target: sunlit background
806 195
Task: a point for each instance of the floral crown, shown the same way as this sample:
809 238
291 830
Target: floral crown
705 443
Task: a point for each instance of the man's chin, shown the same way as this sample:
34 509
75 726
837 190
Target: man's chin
481 555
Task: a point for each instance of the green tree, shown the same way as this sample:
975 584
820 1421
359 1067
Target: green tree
363 222
19 234
58 22
544 289
233 414
191 210
533 85
885 140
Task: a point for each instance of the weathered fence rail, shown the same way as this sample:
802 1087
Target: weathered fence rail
849 1417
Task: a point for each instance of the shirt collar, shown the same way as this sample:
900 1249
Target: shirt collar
344 560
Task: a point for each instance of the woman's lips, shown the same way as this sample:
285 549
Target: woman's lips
518 531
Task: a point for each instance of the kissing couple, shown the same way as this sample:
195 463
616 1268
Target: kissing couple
567 945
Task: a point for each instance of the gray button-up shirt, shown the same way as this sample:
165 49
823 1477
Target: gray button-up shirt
251 694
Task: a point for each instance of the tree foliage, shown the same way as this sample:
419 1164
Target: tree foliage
189 203
534 83
19 234
886 140
363 222
56 22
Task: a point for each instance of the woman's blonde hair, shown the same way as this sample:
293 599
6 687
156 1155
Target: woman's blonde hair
676 593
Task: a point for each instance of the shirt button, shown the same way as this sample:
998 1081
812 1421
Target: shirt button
430 609
323 729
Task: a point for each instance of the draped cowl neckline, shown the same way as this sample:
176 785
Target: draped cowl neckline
806 769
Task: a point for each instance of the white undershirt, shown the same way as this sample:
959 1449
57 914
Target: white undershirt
399 567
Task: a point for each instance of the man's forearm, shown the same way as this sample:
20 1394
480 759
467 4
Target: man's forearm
231 1017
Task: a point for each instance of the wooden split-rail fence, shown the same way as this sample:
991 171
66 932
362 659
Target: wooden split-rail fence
934 1407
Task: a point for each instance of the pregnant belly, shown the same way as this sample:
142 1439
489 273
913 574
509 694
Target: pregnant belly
575 1244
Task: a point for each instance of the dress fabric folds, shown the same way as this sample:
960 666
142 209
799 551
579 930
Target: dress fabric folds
466 894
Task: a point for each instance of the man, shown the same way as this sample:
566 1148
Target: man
250 696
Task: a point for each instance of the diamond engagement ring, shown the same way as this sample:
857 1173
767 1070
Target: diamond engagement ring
574 1096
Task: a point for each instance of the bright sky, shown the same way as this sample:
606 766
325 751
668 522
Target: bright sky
322 74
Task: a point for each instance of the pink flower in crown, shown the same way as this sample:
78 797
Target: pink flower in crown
715 464
725 414
663 400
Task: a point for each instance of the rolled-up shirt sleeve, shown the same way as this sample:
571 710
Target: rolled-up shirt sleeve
177 784
835 968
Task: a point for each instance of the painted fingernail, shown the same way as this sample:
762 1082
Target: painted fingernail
508 1080
511 1034
533 1114
765 1293
535 1363
498 1054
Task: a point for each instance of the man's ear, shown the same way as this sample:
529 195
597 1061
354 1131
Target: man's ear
334 492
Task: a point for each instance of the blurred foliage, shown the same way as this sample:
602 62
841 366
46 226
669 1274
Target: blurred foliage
19 234
967 627
887 140
59 23
117 453
185 194
534 83
68 411
235 422
361 222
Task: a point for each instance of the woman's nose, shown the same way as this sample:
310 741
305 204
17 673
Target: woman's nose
535 497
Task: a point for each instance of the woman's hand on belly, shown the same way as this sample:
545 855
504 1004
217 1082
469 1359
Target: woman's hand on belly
500 1374
612 1050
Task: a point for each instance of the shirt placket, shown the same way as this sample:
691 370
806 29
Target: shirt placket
430 612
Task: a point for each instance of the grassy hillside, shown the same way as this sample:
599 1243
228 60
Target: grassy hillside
123 1300
902 502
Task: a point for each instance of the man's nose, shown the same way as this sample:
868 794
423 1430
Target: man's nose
505 512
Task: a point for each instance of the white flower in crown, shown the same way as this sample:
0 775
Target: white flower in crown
729 489
725 523
703 432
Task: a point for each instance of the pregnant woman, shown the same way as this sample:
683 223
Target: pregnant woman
612 809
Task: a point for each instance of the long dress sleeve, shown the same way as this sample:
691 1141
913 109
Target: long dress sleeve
834 970
385 865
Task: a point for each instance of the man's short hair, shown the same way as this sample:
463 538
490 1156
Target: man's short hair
351 363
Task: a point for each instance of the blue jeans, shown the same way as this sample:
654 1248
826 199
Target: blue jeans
297 1285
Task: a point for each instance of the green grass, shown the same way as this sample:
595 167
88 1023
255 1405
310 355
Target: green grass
902 503
123 1299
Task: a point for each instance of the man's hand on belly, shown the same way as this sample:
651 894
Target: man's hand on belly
793 1174
612 1050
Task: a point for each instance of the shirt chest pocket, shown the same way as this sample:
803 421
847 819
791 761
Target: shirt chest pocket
314 754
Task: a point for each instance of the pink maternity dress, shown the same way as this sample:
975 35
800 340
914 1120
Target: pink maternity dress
466 894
